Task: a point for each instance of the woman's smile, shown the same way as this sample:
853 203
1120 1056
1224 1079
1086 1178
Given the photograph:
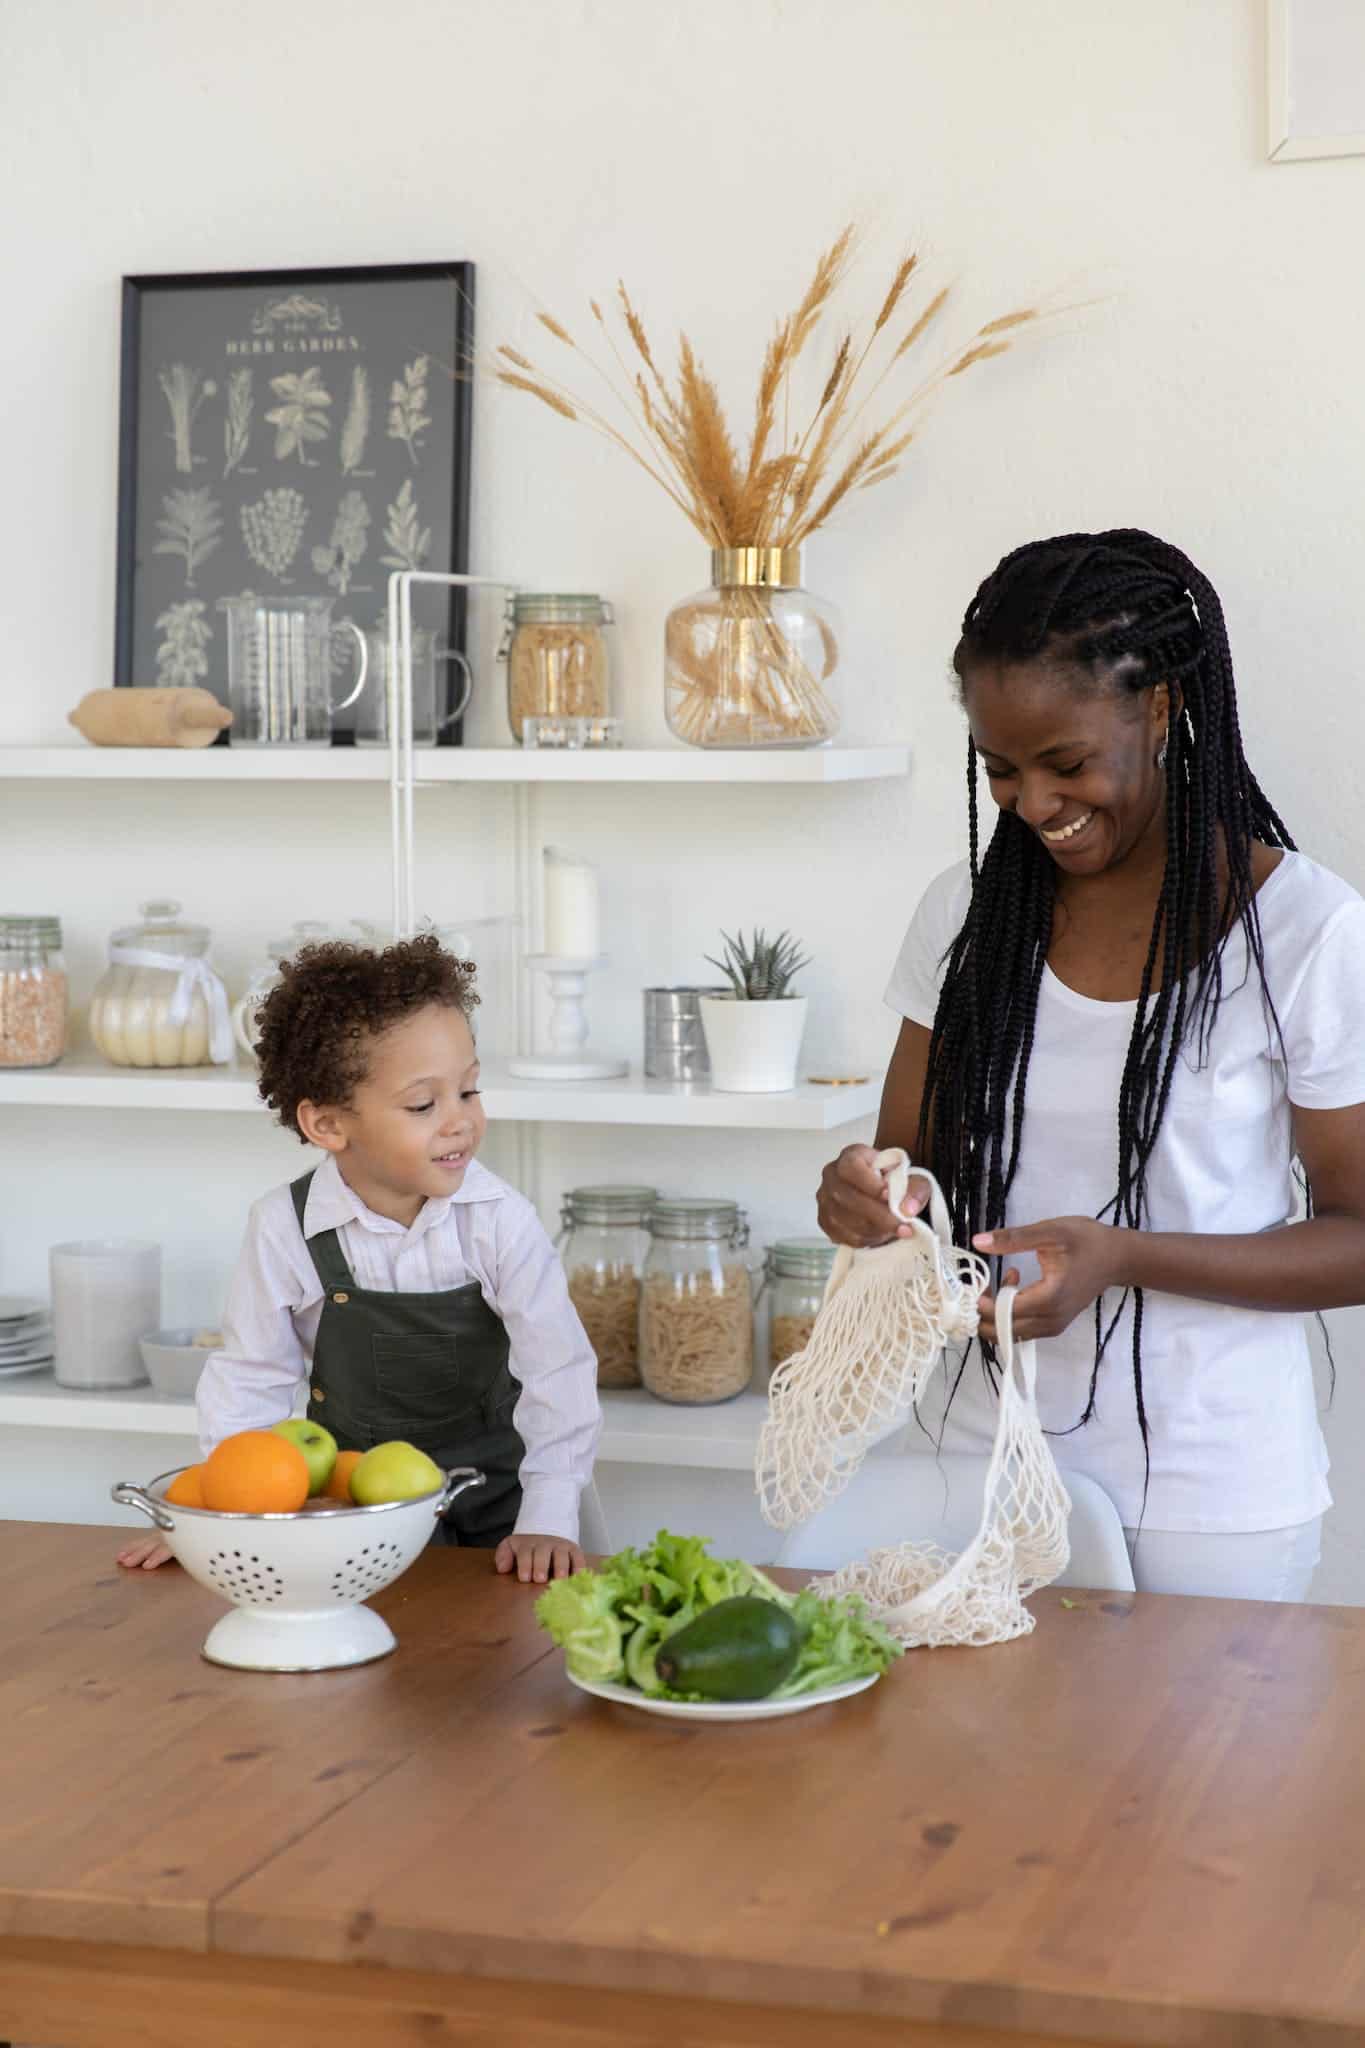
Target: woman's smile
1062 835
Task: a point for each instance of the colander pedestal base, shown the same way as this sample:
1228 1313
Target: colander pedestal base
324 1641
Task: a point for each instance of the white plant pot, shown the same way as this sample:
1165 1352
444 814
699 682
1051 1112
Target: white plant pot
753 1047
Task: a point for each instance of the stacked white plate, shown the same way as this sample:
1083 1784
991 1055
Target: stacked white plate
25 1335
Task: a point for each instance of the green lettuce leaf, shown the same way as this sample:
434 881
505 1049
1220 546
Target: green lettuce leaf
580 1613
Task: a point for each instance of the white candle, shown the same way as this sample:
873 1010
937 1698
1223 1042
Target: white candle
572 929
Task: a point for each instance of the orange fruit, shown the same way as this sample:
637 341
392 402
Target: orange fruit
186 1490
338 1487
256 1473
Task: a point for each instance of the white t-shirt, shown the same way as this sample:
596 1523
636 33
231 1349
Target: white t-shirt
1234 1437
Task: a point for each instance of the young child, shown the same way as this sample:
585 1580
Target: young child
416 1292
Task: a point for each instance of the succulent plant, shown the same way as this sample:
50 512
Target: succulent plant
763 970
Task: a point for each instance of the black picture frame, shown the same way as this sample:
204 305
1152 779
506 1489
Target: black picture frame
286 323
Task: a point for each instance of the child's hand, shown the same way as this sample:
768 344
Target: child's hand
147 1551
538 1558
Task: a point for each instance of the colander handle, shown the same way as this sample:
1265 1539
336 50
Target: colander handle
129 1496
458 1480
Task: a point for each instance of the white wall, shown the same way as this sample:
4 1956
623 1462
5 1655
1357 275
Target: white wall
703 150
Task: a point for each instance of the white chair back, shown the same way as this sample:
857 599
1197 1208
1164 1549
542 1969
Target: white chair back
917 1497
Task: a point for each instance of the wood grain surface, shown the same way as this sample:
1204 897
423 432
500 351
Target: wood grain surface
1143 1823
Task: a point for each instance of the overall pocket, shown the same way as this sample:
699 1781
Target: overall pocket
422 1386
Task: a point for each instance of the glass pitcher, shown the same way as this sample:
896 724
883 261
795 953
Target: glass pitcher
279 659
372 719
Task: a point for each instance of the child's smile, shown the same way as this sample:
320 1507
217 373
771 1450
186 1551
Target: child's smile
415 1121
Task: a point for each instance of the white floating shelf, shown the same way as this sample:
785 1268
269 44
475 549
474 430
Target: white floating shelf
637 1430
434 765
89 1083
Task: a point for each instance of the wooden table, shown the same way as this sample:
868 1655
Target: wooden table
1144 1823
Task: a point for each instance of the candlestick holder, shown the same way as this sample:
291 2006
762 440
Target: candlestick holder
569 1058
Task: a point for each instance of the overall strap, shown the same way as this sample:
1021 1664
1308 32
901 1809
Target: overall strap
329 1260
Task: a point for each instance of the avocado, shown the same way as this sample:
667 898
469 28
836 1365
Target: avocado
740 1649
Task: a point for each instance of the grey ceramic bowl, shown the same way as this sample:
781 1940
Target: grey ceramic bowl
174 1362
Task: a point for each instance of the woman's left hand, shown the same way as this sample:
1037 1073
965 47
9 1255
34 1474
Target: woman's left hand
1079 1260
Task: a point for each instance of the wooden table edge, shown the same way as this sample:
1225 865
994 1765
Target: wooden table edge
83 1994
1003 2012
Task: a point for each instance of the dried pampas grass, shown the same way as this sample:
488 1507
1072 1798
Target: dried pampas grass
790 479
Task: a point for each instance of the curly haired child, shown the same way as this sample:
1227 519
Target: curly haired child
416 1293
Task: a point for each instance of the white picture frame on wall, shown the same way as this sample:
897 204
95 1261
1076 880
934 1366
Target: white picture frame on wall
1315 99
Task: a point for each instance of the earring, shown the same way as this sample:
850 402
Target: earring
1161 757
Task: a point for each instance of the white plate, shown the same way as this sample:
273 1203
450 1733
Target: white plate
20 1308
18 1336
12 1372
722 1710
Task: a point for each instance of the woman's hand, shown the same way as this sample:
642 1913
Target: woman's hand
851 1202
1079 1260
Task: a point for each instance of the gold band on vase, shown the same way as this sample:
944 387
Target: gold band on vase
756 568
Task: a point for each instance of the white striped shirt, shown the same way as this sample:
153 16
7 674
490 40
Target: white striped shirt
484 1232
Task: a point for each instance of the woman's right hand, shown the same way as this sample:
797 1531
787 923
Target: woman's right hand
144 1551
852 1205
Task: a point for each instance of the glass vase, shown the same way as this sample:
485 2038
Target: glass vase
751 661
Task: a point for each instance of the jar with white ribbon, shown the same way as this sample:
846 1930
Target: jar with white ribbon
159 1003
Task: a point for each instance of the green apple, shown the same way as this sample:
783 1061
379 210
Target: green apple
395 1471
318 1445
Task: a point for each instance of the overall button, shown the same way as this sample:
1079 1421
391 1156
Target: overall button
341 1299
317 1393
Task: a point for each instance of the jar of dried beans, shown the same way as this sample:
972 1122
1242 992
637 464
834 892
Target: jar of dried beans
558 665
696 1303
796 1273
603 1243
32 992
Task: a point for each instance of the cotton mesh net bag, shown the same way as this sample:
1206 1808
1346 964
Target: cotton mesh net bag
815 1438
886 1316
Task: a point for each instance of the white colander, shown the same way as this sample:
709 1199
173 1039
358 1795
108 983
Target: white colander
296 1582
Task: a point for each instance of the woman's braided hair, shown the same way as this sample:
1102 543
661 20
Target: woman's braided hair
1130 611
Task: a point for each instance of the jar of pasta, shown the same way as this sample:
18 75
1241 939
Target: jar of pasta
557 660
696 1303
795 1275
32 992
603 1242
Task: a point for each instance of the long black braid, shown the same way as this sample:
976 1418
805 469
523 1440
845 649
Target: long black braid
1131 611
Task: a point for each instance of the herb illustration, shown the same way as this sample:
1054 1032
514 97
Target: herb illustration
181 658
237 426
409 541
350 538
408 407
302 414
191 528
357 427
185 391
272 529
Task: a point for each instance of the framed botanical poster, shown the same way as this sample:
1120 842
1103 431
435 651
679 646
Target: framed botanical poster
1315 81
289 434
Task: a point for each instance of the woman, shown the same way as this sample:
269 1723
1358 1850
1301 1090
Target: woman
1122 1024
